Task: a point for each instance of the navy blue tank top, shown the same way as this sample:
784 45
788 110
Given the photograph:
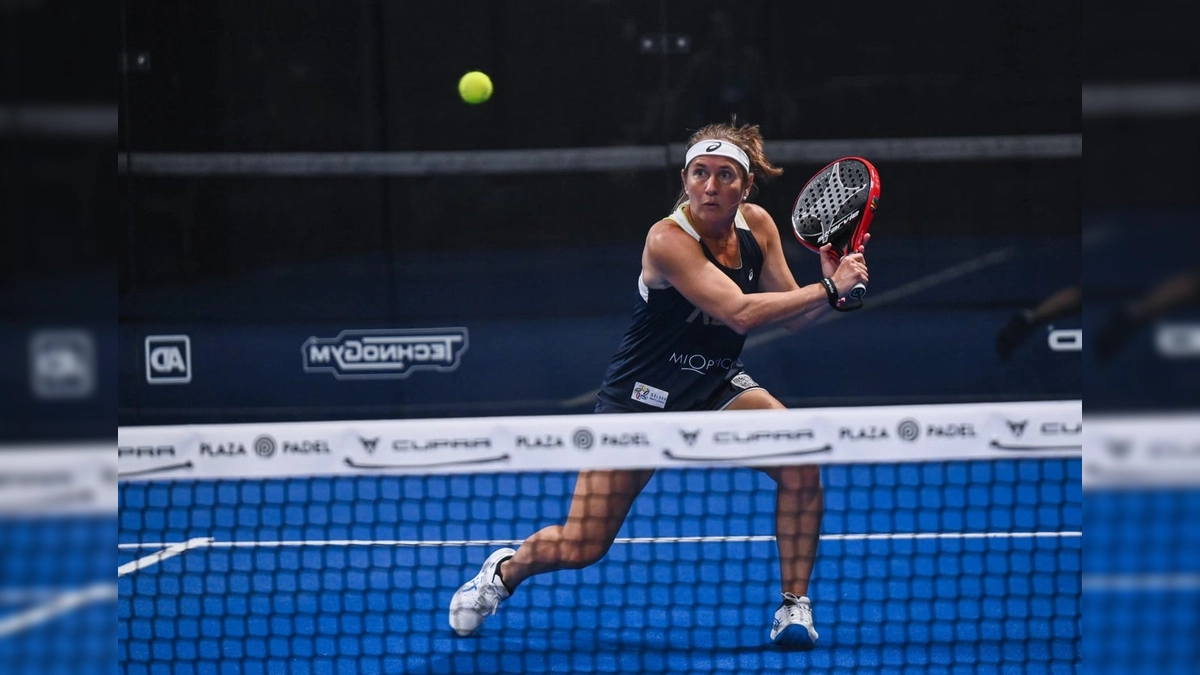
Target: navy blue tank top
674 356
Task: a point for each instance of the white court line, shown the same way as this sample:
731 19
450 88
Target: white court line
951 535
882 299
25 596
65 602
1141 582
169 551
624 540
60 605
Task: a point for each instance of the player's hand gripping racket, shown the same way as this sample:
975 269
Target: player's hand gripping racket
835 207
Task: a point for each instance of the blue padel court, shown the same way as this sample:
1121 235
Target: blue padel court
939 567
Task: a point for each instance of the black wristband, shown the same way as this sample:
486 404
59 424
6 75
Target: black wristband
831 291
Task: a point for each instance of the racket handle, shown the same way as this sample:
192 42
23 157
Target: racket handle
858 291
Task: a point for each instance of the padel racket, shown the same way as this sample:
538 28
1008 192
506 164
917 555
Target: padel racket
836 207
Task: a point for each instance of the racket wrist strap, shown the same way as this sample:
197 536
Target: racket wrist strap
831 291
835 301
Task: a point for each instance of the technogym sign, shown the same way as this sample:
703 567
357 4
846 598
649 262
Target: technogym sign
384 353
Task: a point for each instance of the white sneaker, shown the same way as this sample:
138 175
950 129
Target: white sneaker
794 624
480 597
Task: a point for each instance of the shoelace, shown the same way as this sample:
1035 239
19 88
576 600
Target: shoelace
798 612
488 598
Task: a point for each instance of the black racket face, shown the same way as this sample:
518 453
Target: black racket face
832 204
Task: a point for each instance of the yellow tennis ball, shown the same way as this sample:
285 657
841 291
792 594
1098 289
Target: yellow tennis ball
475 87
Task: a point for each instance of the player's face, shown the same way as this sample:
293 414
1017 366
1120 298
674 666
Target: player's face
714 186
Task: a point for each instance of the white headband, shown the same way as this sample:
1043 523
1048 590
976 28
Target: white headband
712 146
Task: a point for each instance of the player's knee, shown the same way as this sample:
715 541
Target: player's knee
799 478
580 554
577 550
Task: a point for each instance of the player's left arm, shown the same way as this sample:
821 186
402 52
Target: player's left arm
776 275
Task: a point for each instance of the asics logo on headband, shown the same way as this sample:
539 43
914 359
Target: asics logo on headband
712 146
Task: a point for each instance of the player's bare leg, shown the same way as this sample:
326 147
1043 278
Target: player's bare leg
799 508
598 508
600 504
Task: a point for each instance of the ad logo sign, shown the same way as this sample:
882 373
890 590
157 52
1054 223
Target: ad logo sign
363 354
1065 340
62 364
168 359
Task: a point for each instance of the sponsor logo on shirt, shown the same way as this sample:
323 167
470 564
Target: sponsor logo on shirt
698 363
743 381
654 396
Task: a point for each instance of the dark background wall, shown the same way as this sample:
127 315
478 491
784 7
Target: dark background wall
540 266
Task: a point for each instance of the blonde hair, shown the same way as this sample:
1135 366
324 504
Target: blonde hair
748 137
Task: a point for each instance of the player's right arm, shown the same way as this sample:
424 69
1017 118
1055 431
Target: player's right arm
673 258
